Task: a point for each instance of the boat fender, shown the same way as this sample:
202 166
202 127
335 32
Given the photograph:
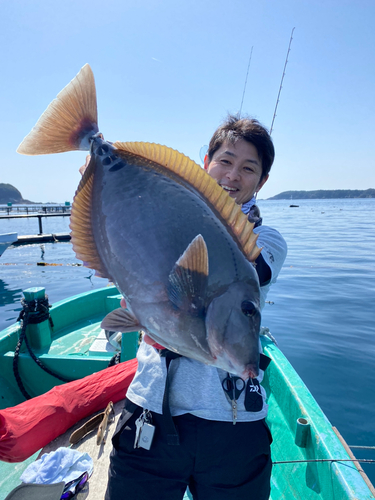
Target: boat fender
29 426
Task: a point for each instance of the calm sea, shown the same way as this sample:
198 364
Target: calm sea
322 310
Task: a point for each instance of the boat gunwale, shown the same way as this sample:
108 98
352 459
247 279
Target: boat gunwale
324 441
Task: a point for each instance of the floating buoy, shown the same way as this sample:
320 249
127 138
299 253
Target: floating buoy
47 264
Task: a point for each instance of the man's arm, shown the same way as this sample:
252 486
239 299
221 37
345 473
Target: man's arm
274 251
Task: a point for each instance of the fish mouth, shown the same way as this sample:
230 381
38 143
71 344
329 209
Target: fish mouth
250 370
243 370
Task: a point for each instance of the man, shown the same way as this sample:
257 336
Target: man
239 158
216 459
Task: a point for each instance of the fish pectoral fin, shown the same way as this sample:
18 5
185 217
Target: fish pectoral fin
189 277
121 320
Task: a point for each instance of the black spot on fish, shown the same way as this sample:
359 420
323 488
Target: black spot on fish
110 159
103 149
117 166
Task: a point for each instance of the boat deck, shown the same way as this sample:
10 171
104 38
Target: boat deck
303 480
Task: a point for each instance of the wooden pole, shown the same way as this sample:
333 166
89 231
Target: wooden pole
351 455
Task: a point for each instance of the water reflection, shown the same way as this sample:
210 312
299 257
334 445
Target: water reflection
8 295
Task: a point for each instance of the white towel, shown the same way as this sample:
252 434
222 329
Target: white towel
64 464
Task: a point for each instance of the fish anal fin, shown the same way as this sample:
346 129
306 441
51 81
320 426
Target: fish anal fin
253 250
221 200
82 236
247 230
121 320
68 121
243 226
189 277
227 211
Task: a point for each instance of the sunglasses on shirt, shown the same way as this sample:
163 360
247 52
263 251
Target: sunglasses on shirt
73 487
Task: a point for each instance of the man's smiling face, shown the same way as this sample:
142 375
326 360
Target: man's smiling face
237 168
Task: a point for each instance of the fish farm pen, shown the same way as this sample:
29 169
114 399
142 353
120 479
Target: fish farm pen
39 212
11 209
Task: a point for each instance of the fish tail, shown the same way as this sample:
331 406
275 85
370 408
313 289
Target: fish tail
69 121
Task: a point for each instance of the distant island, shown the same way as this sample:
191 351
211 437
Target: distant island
324 194
10 194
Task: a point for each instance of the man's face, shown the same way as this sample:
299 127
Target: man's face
237 168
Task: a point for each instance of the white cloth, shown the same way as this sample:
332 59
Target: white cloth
64 464
246 206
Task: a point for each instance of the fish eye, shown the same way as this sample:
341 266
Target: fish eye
248 308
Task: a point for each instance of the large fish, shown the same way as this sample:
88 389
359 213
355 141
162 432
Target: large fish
155 223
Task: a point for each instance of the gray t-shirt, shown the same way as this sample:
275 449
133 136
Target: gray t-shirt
195 387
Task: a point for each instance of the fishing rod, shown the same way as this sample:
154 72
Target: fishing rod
282 79
244 89
312 460
203 150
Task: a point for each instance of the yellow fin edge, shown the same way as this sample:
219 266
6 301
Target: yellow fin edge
82 237
191 172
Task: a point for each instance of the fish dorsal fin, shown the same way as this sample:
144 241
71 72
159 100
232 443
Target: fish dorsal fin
68 121
188 170
189 277
83 240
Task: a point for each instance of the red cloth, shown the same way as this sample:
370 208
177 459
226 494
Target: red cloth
29 426
158 346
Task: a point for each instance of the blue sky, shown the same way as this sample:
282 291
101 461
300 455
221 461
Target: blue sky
169 72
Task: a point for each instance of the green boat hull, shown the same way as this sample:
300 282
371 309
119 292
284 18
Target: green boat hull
68 353
319 467
315 471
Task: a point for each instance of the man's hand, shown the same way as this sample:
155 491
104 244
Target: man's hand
146 338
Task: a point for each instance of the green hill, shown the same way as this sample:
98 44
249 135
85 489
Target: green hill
324 194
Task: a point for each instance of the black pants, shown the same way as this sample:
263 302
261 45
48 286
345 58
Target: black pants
217 460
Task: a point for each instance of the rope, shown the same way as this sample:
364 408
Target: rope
115 360
33 312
